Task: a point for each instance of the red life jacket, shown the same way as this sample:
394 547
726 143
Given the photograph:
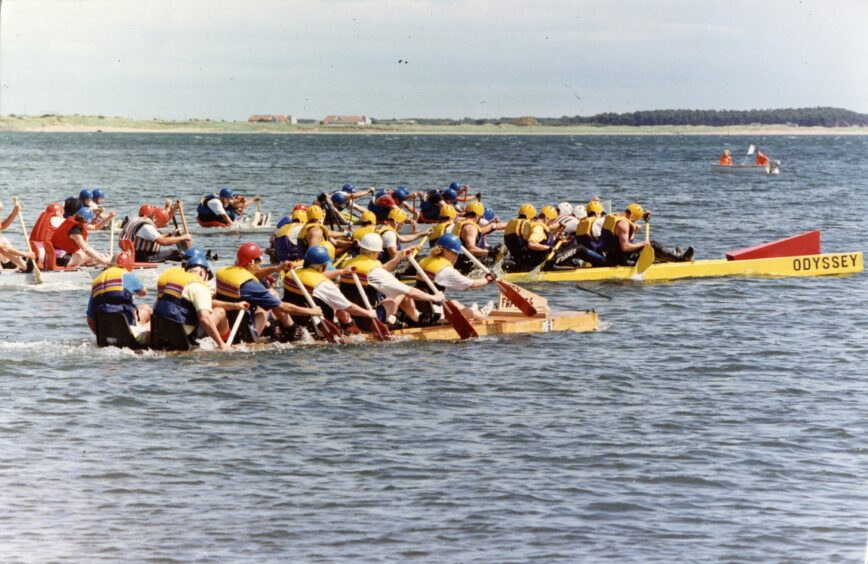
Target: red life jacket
44 227
61 239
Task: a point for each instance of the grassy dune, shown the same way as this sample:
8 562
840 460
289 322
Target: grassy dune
78 123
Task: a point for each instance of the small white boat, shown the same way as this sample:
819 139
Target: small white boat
773 168
255 223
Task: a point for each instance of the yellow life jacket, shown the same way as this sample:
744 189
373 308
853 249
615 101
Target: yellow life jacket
381 229
514 227
284 231
229 282
363 264
302 235
585 226
439 230
178 280
310 278
432 267
165 277
109 283
612 221
362 231
528 227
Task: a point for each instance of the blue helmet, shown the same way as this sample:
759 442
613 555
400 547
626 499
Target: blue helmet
450 195
199 260
85 194
488 215
450 242
400 194
225 193
339 198
192 252
283 221
97 194
455 186
316 255
85 213
348 188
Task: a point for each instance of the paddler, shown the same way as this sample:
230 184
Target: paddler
285 243
186 300
10 253
332 304
512 234
538 239
440 268
391 238
387 295
726 158
144 235
761 158
221 209
239 283
70 242
588 232
172 270
74 203
313 232
447 222
472 236
381 205
112 292
617 238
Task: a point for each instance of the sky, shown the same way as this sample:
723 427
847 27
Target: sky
218 59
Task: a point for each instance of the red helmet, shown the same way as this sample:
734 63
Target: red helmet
125 260
301 207
147 210
387 201
247 253
161 217
54 209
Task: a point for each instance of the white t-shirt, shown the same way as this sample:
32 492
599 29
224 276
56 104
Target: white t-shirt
451 279
390 240
292 234
386 283
216 206
148 232
331 295
200 297
597 227
570 223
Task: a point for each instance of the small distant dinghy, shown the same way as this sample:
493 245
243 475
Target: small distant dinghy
256 223
771 169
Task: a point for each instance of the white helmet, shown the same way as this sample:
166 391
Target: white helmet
372 242
565 208
580 211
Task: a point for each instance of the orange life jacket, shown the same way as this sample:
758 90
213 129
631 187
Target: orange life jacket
62 240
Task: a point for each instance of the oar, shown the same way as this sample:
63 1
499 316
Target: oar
112 241
235 326
37 274
381 332
325 328
508 289
534 274
646 257
593 292
350 219
183 217
460 323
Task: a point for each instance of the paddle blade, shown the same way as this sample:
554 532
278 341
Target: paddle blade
646 259
381 331
329 331
519 301
460 323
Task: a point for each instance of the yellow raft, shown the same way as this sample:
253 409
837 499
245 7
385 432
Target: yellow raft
826 264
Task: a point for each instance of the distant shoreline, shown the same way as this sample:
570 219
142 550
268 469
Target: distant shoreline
93 124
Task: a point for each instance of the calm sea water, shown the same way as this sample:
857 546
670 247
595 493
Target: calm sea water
709 420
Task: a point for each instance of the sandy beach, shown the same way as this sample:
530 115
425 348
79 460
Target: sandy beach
106 124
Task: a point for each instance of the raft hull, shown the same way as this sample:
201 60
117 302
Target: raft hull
746 169
496 324
10 279
828 264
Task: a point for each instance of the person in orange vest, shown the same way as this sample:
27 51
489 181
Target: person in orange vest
70 241
726 158
761 159
10 253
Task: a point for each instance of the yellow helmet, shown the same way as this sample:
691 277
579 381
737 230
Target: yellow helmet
475 208
398 215
549 212
594 206
448 211
368 217
315 213
635 211
528 211
331 248
300 215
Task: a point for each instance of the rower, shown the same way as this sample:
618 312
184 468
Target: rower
112 292
219 210
391 238
144 235
172 270
72 204
313 232
588 233
326 295
387 295
186 300
238 283
726 158
447 221
70 242
567 218
440 268
381 205
9 252
538 238
617 237
473 238
368 224
512 234
286 244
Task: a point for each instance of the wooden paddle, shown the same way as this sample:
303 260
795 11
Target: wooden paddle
37 274
235 326
381 332
350 219
324 328
112 242
646 257
183 217
460 323
508 289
